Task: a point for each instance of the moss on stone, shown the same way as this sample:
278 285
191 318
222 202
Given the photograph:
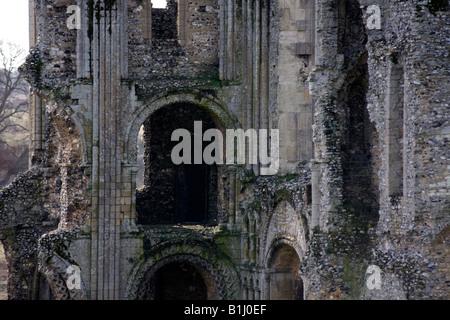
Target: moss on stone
353 275
32 68
288 177
282 195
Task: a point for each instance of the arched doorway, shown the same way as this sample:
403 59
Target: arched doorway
181 277
285 280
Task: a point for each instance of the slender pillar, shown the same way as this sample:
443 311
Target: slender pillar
37 107
267 286
107 199
147 20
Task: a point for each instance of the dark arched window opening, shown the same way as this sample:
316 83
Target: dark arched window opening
360 189
358 134
176 194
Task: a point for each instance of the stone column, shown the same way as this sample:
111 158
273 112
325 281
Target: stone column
257 294
182 20
227 29
244 286
267 285
37 107
146 20
251 292
108 196
83 45
233 195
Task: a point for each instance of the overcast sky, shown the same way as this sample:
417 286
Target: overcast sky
14 22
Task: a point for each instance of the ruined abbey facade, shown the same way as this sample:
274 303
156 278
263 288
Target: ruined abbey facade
359 208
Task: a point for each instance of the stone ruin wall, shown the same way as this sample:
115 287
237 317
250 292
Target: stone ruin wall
307 80
416 214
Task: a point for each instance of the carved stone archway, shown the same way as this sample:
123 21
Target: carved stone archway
204 100
219 274
214 282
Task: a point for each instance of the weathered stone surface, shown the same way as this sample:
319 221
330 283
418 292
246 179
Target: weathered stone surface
364 131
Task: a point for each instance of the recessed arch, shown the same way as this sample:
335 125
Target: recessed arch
206 275
201 99
196 99
282 241
219 274
68 114
283 224
181 277
284 269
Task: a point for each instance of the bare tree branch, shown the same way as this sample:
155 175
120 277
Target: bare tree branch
13 111
13 90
